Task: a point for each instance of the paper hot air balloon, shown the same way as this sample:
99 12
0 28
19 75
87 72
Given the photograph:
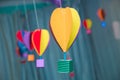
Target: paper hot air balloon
65 25
101 15
40 40
87 23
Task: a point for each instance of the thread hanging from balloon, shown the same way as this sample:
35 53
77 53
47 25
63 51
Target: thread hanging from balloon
26 15
36 13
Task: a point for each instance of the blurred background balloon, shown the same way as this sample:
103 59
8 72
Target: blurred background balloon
87 23
40 41
101 15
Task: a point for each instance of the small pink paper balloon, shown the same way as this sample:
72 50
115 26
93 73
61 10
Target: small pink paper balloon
27 40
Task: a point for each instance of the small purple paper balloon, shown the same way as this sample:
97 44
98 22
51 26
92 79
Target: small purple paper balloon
26 39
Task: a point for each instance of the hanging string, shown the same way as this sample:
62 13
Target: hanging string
36 13
60 3
26 15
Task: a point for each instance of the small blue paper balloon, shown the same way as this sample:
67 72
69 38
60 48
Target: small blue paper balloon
103 23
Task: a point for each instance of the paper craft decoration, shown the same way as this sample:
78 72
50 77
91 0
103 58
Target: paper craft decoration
28 43
40 41
101 15
65 25
87 23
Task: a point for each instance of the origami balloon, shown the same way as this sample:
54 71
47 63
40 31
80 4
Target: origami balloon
40 40
101 16
19 36
87 23
65 25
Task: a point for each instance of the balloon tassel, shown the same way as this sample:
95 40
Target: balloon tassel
88 31
72 74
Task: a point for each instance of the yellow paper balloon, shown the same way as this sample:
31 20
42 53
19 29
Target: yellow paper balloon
61 26
89 23
45 38
75 26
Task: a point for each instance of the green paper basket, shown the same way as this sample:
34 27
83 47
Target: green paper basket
65 66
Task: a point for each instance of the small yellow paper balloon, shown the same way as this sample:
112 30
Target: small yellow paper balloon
65 24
